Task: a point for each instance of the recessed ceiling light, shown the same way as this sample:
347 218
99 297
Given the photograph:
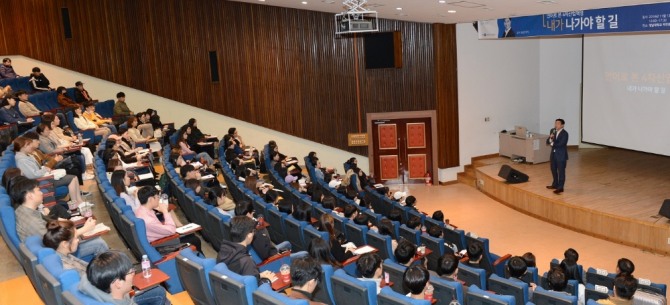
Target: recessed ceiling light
304 2
261 0
442 1
399 8
451 12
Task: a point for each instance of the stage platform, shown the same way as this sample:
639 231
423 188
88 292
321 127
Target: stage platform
610 193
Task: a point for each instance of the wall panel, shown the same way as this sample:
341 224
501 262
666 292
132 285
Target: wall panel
280 68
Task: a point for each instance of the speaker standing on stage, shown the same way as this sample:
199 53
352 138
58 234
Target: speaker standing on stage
558 139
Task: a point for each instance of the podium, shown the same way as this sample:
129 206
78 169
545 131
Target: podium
534 147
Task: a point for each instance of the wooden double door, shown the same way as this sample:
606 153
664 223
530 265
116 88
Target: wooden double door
402 149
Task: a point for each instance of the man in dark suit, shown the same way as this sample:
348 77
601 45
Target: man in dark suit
558 139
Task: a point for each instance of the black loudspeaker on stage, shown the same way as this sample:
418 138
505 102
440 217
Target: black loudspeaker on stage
665 209
512 175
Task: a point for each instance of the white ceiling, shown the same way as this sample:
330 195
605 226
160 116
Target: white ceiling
432 11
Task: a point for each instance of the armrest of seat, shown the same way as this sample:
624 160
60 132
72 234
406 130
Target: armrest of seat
171 256
49 178
502 259
158 242
274 258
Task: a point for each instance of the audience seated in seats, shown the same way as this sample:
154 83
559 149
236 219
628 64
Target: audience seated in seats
113 150
336 239
196 187
319 172
120 181
32 169
569 264
625 266
439 216
121 110
216 196
58 135
81 96
73 164
350 212
284 206
4 91
414 223
109 279
404 252
305 274
13 174
385 227
261 242
64 100
516 266
252 183
529 257
234 253
39 81
364 220
144 124
83 123
475 255
399 197
416 280
369 267
395 215
319 249
25 106
410 202
6 70
128 146
9 114
558 281
133 132
235 137
61 236
328 202
185 148
27 198
303 212
96 118
280 165
624 288
149 206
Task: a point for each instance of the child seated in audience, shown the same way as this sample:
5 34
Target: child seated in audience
369 266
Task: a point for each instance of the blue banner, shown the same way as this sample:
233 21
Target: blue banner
638 18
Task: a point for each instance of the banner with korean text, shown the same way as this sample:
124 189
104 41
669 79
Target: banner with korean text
638 18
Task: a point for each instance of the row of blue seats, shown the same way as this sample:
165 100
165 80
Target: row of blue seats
19 83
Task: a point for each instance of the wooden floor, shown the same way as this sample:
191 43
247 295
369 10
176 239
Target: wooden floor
611 193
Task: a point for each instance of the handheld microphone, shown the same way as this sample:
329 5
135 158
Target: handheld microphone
552 131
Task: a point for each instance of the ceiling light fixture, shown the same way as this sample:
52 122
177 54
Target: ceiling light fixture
442 1
304 2
451 12
399 8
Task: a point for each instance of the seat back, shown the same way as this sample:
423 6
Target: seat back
201 213
294 233
591 292
412 235
311 233
477 296
429 223
571 288
382 243
356 234
54 279
511 287
73 296
9 229
276 221
324 289
390 297
646 284
600 277
194 275
28 254
541 296
264 295
455 237
347 288
447 291
472 276
219 226
436 245
396 273
231 288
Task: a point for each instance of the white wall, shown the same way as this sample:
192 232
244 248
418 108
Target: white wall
498 79
172 111
560 84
